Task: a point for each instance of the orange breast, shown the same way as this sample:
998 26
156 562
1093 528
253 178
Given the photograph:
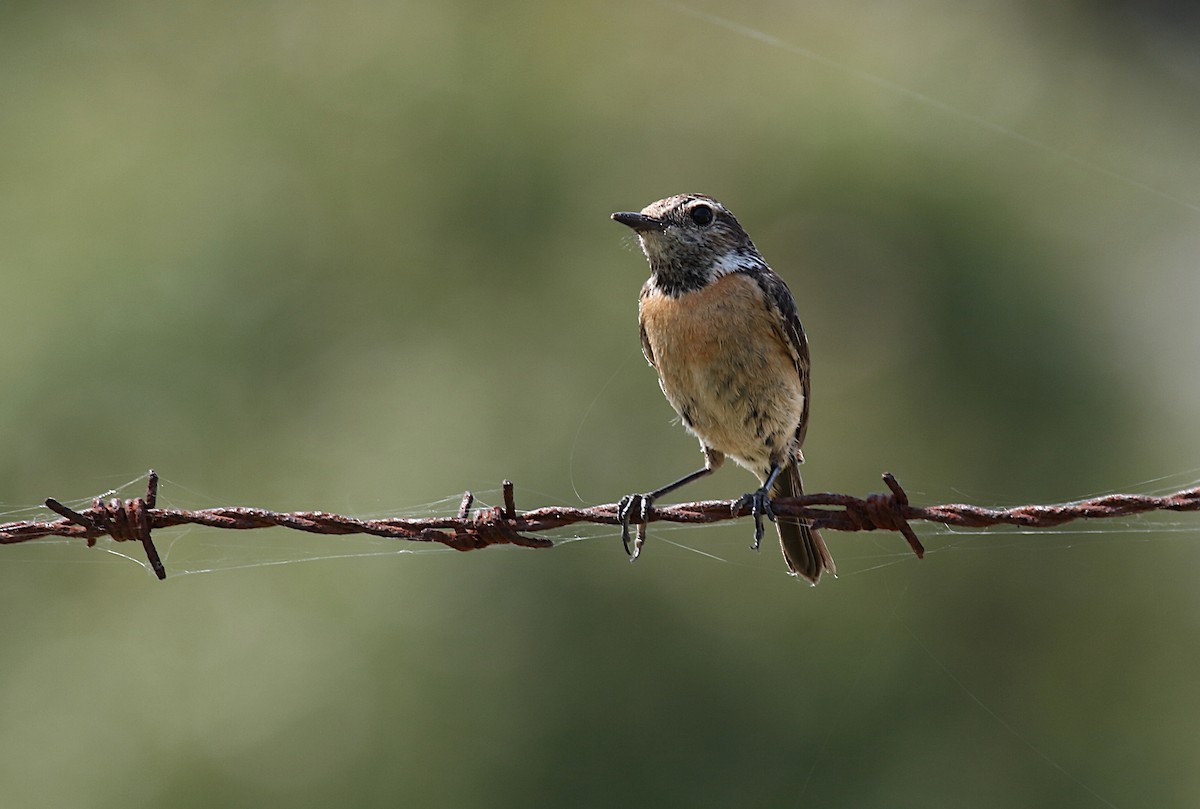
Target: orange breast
724 366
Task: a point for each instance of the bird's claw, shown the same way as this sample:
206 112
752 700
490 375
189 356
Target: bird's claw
626 506
759 501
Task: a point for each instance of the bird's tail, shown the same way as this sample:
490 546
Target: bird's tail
803 549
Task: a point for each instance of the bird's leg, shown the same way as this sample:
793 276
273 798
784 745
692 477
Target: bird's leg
643 503
759 501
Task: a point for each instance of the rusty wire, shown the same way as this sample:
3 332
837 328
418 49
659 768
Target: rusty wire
134 520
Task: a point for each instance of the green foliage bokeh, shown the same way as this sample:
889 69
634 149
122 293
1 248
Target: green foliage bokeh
356 258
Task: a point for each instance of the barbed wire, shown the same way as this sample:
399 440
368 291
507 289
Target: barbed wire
126 520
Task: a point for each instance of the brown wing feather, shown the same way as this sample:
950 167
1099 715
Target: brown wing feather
647 290
779 297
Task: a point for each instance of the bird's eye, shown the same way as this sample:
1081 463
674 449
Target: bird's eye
702 215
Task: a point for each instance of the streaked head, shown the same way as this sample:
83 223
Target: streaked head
690 240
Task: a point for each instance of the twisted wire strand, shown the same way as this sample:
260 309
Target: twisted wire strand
135 519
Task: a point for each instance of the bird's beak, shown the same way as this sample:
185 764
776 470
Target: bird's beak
639 222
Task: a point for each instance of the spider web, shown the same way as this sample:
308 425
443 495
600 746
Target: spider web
191 550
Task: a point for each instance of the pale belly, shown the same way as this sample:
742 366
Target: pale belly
727 371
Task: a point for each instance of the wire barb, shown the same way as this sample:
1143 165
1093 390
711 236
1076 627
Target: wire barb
125 520
886 512
464 508
510 504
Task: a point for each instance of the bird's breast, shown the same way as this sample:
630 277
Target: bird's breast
725 368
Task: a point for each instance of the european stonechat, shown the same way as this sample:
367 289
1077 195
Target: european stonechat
721 329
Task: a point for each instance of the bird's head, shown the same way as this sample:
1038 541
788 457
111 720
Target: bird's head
690 240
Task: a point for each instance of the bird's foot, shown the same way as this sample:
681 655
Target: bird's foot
759 501
634 508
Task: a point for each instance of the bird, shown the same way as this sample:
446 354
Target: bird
722 330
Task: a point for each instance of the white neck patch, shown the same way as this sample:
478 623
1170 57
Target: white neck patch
733 261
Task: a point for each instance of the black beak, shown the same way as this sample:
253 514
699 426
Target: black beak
639 222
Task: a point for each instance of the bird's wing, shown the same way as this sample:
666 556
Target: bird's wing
646 350
791 333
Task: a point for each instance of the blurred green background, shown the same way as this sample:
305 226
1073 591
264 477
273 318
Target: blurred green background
356 257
